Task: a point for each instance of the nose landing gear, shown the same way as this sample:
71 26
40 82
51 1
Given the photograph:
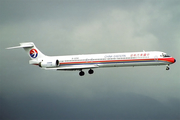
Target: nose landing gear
167 67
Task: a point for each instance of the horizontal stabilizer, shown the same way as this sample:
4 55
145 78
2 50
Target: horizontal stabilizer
23 45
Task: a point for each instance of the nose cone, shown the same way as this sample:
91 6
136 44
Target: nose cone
174 60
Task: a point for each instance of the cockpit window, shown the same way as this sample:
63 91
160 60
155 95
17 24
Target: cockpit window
166 55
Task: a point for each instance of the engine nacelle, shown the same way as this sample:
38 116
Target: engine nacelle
49 63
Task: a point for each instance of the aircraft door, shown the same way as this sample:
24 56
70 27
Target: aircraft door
156 58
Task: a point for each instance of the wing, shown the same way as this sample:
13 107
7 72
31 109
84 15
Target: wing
73 67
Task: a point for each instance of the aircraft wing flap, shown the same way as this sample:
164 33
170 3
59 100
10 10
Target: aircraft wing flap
74 67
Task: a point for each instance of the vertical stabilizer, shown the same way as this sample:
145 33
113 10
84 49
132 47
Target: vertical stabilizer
31 50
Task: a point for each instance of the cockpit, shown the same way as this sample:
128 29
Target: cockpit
165 55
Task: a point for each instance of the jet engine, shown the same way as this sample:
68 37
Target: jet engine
49 63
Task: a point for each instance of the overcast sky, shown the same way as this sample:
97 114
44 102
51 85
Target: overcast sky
80 27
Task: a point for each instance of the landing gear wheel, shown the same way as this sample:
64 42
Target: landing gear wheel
91 71
167 68
81 73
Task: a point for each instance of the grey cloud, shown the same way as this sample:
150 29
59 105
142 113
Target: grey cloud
113 106
60 28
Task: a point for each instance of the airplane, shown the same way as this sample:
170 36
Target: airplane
92 61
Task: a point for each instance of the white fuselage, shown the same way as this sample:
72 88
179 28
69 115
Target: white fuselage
108 60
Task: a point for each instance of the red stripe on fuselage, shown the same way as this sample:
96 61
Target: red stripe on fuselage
170 60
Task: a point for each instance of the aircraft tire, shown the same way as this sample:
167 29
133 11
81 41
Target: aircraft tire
81 73
91 71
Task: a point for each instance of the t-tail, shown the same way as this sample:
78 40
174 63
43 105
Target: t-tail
35 54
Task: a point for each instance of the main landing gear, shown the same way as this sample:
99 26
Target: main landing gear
82 73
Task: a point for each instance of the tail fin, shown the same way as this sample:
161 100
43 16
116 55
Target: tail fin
31 50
